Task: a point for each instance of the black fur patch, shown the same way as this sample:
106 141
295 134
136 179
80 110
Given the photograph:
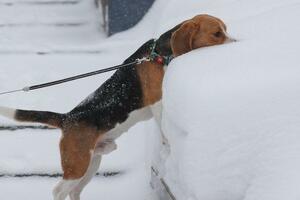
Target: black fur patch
51 118
121 94
112 102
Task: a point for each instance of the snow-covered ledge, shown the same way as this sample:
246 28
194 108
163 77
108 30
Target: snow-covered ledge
231 113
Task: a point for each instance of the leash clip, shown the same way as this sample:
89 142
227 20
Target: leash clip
26 89
144 59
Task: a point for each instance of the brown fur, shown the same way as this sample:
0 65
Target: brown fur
192 34
151 76
76 145
198 32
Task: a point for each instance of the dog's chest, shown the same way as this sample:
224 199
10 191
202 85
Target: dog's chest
151 77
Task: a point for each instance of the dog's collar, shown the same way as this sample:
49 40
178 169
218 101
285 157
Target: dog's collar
156 57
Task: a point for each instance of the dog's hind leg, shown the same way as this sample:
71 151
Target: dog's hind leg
100 149
74 167
90 173
76 148
63 188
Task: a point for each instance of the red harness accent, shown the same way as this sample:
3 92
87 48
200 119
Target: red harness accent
160 60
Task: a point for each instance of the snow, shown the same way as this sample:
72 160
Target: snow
233 124
29 151
230 112
31 27
100 188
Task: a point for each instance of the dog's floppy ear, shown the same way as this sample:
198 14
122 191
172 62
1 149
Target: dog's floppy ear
182 39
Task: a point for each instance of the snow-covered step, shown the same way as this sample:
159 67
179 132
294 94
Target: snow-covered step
38 2
49 26
36 151
16 127
27 157
47 39
56 51
63 23
20 1
132 186
37 14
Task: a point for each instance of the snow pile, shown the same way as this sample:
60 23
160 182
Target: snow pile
231 112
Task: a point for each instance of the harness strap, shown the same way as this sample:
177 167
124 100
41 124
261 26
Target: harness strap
156 57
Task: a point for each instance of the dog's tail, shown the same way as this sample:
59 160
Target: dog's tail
44 117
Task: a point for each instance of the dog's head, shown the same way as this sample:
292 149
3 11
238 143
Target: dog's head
200 31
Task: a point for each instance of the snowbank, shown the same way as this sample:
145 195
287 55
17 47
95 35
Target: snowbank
231 112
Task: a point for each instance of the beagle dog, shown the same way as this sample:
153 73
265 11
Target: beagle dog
90 129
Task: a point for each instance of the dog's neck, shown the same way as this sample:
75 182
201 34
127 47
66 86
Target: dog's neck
163 46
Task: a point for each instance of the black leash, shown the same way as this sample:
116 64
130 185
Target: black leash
80 76
154 56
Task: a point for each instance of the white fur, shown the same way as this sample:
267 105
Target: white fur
229 39
7 112
63 188
105 147
96 156
133 118
107 144
156 110
73 188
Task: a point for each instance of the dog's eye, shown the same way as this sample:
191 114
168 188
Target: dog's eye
218 34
